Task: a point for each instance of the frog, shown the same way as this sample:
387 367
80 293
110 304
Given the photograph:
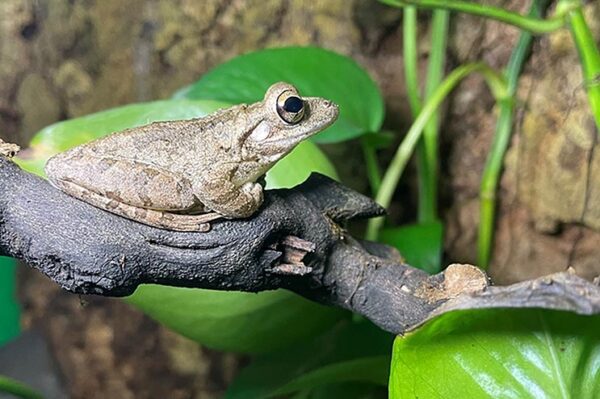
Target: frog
184 175
8 150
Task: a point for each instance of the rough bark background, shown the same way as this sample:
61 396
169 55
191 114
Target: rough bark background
64 58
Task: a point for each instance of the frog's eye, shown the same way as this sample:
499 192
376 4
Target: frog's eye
290 108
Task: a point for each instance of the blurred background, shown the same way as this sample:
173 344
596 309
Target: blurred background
61 59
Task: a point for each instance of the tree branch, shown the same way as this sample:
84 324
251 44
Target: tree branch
296 241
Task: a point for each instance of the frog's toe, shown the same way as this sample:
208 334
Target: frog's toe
254 191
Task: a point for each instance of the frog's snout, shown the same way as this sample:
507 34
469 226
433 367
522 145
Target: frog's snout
332 107
330 104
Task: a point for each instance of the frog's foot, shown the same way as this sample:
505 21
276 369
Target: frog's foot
151 217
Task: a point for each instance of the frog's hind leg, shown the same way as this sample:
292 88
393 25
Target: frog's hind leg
151 217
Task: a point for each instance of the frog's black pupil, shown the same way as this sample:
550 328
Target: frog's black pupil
293 104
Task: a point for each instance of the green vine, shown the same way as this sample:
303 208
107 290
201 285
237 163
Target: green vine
392 176
533 25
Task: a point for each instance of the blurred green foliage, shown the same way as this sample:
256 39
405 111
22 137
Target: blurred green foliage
350 351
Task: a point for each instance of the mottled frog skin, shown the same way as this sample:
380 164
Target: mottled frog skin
8 150
180 175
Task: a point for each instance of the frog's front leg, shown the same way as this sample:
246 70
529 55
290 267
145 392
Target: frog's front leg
231 201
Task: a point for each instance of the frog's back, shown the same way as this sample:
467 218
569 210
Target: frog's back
172 144
147 143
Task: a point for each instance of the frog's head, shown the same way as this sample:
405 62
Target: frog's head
283 120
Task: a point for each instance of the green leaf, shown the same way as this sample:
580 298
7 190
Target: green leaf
352 351
298 165
370 369
345 390
499 353
224 320
380 140
419 244
235 321
314 71
61 136
9 310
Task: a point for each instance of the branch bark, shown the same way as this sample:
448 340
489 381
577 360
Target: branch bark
296 241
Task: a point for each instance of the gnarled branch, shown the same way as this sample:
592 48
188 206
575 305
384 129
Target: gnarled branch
296 241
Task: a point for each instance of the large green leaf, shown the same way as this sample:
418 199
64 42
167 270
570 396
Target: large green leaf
235 321
420 244
298 165
351 352
314 71
500 353
225 320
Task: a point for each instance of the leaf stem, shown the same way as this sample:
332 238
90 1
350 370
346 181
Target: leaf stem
409 46
489 182
532 25
392 175
17 389
373 172
411 77
435 73
427 148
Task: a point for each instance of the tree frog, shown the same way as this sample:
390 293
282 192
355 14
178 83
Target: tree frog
8 150
181 175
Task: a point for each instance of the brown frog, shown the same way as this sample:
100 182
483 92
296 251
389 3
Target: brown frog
8 150
180 175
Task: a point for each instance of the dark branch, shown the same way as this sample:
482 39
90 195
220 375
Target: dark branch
296 241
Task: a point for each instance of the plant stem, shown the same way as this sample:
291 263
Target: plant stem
588 54
489 182
427 148
409 35
532 25
17 389
373 172
414 99
493 165
406 148
435 72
